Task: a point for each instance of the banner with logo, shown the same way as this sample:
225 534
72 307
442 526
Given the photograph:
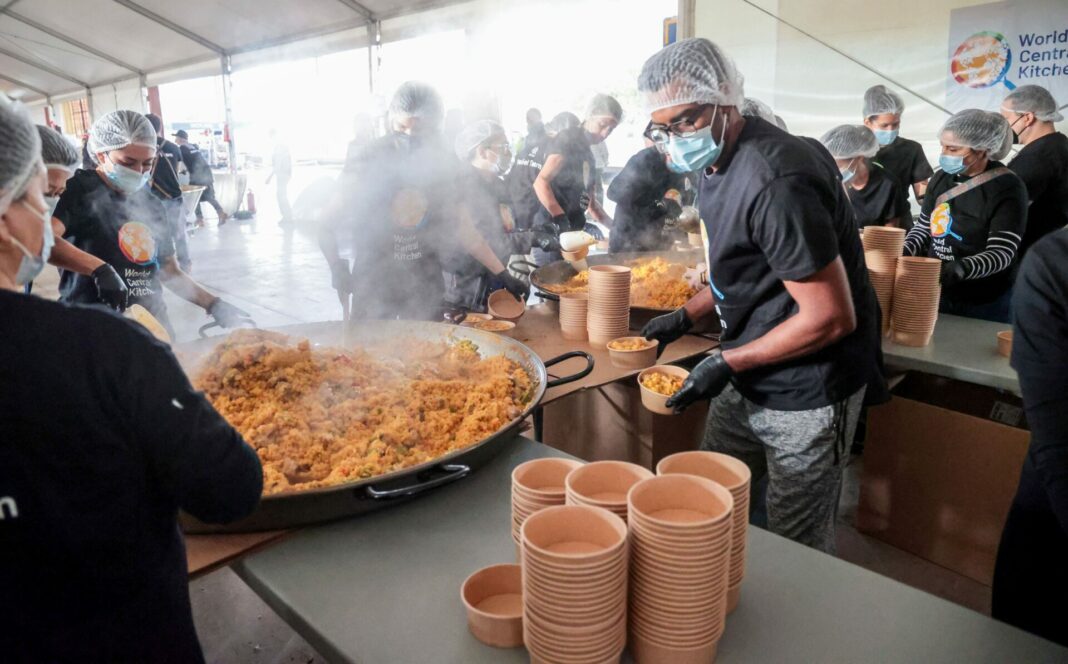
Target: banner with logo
997 47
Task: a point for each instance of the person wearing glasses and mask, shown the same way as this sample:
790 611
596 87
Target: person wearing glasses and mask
877 197
565 186
112 217
93 476
482 147
403 208
1042 163
973 217
901 157
787 281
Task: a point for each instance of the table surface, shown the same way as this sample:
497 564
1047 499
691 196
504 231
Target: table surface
962 348
385 587
540 330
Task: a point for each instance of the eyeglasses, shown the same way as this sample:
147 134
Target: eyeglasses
684 127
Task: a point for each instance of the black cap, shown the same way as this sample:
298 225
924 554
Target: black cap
181 133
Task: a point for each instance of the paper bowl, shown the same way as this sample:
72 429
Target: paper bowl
605 483
655 401
502 327
661 500
1005 343
503 305
494 602
543 478
574 256
633 359
574 533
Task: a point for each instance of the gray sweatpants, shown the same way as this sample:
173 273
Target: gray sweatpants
803 453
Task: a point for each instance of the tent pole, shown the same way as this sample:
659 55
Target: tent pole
227 68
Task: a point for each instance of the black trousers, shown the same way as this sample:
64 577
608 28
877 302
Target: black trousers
1031 575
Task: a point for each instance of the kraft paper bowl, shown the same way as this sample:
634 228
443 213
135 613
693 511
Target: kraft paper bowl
493 597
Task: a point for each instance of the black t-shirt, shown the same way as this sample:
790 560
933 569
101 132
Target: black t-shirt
880 200
776 211
199 170
102 441
905 160
165 183
639 187
128 232
964 227
401 199
1043 167
576 175
520 181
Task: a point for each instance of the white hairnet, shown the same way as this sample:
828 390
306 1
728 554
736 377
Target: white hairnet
781 123
56 150
879 100
980 130
691 71
604 106
474 136
753 107
20 148
848 141
415 99
119 129
1034 99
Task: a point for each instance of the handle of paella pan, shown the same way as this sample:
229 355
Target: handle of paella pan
563 380
454 471
245 322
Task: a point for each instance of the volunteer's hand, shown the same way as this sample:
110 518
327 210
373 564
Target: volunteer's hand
670 208
514 286
584 200
558 224
341 277
227 315
706 381
110 287
593 230
953 272
667 328
545 240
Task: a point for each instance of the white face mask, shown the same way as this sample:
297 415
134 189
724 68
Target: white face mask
31 265
52 201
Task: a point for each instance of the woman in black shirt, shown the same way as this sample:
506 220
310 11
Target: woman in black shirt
973 217
876 196
901 157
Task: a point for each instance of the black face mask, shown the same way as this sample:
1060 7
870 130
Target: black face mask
406 142
1012 128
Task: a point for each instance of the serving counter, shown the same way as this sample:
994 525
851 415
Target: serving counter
385 587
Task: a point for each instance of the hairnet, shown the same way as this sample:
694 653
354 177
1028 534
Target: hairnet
691 71
980 130
879 100
563 121
56 150
753 107
1034 99
781 123
20 146
604 106
119 129
474 136
848 141
415 99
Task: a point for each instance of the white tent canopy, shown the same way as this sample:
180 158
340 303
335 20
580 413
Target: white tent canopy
51 50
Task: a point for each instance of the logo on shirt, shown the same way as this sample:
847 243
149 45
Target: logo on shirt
942 223
137 244
8 508
408 209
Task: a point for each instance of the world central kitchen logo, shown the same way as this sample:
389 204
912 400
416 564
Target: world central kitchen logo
986 59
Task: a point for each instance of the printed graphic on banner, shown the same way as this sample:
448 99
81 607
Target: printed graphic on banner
996 47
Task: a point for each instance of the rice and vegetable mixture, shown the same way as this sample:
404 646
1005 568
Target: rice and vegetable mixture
324 416
654 283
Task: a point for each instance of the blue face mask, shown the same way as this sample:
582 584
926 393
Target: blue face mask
31 265
848 173
127 180
885 136
697 152
951 164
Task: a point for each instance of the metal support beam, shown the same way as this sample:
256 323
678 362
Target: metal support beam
24 85
227 69
359 9
171 25
69 40
143 88
36 64
89 102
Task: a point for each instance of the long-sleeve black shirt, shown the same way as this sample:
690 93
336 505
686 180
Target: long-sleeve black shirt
102 441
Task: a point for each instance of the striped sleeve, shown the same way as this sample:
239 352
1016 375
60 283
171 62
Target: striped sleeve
919 236
1000 252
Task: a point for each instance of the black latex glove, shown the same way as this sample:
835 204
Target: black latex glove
594 231
670 207
546 240
953 272
584 200
667 328
341 277
227 315
513 285
559 224
110 287
706 381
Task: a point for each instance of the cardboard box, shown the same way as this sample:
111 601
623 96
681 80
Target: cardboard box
940 472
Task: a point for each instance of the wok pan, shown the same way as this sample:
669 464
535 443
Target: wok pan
294 508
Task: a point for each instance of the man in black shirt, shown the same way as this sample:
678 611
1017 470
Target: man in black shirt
646 194
787 280
199 175
1031 578
528 163
902 158
1042 164
168 190
876 196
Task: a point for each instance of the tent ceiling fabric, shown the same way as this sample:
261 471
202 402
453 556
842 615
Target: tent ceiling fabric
56 47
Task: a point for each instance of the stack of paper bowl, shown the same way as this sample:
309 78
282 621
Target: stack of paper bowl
882 248
536 485
604 484
733 475
609 307
574 585
916 295
573 311
680 534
